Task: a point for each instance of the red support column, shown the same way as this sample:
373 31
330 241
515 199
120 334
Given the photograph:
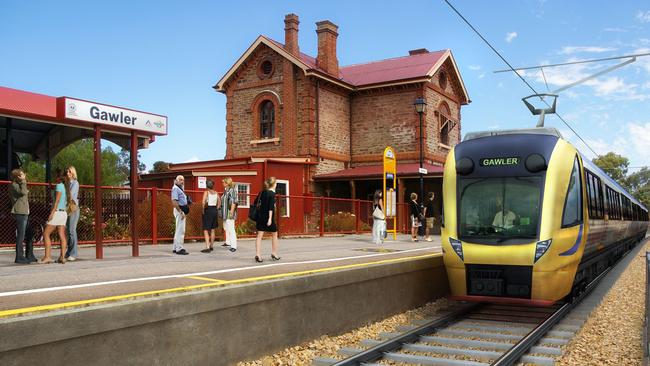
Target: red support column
135 249
154 215
322 216
357 213
99 249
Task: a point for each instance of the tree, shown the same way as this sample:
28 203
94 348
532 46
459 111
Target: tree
160 167
80 154
125 163
614 165
639 185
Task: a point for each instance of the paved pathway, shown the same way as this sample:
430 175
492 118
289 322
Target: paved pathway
28 288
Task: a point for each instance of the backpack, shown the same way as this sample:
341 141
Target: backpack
253 211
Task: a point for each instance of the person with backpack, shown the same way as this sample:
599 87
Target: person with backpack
265 219
229 213
181 203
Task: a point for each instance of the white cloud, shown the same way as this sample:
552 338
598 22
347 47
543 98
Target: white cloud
614 29
632 141
193 159
474 67
643 16
481 75
510 36
568 50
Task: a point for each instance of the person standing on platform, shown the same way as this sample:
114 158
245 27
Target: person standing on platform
429 216
73 216
57 219
210 201
18 193
266 220
181 209
378 218
229 213
415 212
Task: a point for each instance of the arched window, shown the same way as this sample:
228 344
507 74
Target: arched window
445 123
267 119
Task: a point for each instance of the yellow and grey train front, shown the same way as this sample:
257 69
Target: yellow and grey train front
513 216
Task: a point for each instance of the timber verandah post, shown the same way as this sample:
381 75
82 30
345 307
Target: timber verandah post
99 249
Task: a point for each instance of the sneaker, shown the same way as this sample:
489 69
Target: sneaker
182 252
233 249
429 239
71 259
174 251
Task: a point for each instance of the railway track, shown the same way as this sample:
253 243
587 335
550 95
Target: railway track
485 334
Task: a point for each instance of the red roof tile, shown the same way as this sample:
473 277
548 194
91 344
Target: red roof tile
22 103
408 169
376 72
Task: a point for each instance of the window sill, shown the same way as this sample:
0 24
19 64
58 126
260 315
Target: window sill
275 140
444 146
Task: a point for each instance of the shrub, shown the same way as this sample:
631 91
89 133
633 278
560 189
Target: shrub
340 222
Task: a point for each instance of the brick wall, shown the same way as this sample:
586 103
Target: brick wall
334 121
383 119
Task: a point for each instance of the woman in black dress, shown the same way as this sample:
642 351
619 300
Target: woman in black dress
414 209
266 219
211 202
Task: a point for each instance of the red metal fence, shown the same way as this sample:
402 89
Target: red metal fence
297 215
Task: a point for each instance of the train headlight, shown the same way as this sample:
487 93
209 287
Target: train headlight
541 248
457 245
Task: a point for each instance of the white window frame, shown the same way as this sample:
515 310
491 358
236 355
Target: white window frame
248 194
286 199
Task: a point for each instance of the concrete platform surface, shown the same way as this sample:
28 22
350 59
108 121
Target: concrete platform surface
27 289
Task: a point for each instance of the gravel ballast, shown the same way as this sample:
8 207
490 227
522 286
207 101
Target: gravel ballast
612 335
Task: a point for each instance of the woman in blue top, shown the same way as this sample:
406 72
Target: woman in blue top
73 217
58 218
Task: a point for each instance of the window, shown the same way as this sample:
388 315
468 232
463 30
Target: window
265 69
573 204
595 196
499 210
445 123
267 119
243 195
282 188
442 80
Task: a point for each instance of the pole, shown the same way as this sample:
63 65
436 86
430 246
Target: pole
421 162
10 148
135 249
99 249
154 216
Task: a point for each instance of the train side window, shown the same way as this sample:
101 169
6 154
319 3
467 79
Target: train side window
573 204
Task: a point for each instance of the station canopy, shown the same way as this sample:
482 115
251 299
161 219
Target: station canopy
43 125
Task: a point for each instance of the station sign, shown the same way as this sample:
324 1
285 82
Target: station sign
202 182
390 188
423 171
499 161
86 111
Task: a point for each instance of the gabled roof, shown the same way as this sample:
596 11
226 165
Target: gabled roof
408 69
376 171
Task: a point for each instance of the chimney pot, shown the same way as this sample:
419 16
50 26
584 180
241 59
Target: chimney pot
419 51
291 34
327 35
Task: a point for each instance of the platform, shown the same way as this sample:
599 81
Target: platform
29 289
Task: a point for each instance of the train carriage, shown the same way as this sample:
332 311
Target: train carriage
528 219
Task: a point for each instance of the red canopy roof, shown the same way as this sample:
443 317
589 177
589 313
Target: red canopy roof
371 171
22 103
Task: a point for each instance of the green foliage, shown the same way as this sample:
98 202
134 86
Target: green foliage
340 221
80 154
614 165
247 227
159 167
639 185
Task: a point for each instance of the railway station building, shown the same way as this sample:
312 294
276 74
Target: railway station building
321 127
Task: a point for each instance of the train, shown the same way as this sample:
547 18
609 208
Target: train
528 219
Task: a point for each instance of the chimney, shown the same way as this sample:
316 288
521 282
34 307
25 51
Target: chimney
291 34
327 33
419 51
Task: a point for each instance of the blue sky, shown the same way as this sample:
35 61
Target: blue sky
164 56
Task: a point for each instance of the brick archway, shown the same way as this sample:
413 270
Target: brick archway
263 96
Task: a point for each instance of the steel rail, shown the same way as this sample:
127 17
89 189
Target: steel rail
520 348
378 351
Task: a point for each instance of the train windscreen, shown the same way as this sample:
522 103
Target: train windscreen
499 210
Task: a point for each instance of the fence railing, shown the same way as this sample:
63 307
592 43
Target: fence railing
296 215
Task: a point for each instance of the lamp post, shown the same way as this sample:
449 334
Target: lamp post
421 107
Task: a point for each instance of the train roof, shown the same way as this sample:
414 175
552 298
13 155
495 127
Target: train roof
588 164
520 131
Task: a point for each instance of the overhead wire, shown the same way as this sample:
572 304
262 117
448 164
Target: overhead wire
519 75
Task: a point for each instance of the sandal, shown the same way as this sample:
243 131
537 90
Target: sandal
273 257
45 261
258 259
206 250
61 260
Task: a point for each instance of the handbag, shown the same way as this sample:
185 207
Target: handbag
253 212
72 207
378 214
185 209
